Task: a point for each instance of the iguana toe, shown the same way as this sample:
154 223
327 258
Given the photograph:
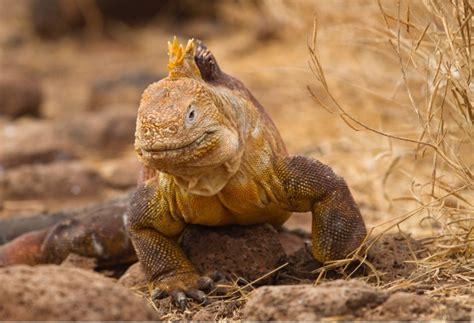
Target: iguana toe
206 284
179 299
217 276
158 294
197 295
183 288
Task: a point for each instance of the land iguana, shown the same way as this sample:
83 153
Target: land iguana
212 156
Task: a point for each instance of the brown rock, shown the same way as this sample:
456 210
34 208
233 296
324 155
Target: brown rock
46 141
61 293
456 311
54 18
53 180
113 129
134 277
17 148
291 242
404 307
123 89
237 251
249 252
20 92
308 302
121 173
76 261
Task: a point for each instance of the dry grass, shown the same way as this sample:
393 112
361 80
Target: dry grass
433 45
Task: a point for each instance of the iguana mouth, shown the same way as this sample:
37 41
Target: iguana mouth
172 148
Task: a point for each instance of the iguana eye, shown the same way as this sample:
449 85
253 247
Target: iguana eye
191 115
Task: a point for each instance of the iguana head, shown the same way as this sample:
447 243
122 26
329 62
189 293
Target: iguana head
182 124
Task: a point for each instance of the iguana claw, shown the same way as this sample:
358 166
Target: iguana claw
179 299
182 291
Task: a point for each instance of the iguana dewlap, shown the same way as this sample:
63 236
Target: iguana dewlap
214 157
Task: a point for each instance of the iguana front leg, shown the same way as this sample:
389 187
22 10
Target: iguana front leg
309 185
153 231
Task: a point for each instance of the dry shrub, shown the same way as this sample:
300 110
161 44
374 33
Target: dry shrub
433 43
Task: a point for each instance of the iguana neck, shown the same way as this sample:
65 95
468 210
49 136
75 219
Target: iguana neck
209 181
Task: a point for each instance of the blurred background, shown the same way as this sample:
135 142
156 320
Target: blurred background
72 73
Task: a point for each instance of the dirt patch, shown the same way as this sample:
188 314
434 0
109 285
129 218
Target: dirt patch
134 277
394 256
220 310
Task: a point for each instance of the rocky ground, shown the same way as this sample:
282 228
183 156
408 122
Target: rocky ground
69 90
269 276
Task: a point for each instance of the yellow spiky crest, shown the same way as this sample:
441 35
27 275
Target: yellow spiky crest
181 60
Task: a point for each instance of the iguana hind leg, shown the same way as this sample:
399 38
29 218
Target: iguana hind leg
309 185
97 232
25 249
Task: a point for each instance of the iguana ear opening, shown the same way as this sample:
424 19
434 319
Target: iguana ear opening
181 62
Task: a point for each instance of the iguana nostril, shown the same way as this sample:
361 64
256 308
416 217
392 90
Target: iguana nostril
153 133
147 133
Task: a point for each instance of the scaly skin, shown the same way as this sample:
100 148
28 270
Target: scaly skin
96 232
214 157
